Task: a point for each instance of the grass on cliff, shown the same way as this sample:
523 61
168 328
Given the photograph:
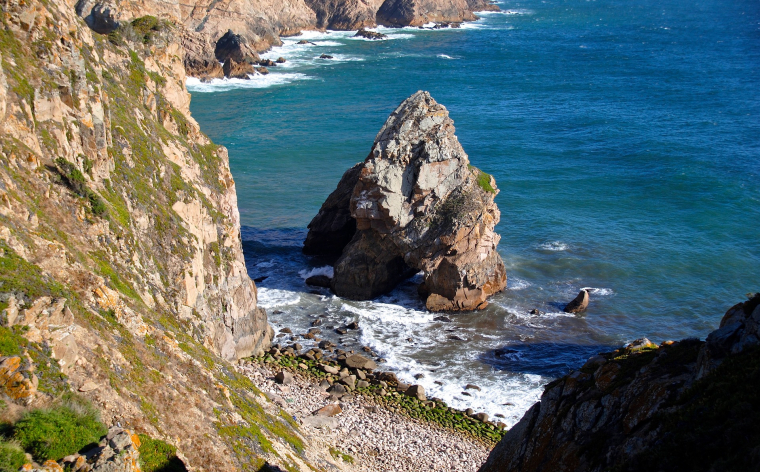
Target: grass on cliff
12 457
63 429
159 456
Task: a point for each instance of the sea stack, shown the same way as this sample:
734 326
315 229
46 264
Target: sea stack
415 204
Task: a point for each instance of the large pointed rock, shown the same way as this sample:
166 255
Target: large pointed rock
416 205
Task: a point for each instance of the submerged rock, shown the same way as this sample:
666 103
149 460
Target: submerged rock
363 33
237 70
319 281
416 205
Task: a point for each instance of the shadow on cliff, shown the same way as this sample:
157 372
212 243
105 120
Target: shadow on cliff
543 358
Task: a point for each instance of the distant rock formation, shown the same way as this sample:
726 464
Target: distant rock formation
344 14
688 405
415 204
418 12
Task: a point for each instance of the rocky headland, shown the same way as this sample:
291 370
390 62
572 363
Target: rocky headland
688 405
415 204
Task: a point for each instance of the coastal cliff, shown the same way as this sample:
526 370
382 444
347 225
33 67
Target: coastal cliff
688 405
121 269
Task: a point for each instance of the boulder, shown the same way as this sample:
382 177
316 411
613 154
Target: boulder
280 60
325 56
357 361
416 205
17 382
416 391
319 281
337 389
262 70
284 377
481 417
363 33
328 410
237 70
267 63
579 304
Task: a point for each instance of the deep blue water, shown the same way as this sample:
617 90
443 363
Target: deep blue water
625 140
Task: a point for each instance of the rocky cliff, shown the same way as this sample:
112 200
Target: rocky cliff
416 205
121 270
688 405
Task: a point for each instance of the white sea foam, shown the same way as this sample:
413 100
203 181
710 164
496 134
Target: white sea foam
272 297
256 81
513 283
554 246
600 291
446 56
325 270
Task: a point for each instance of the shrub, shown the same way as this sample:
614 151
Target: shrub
159 456
56 432
73 176
12 457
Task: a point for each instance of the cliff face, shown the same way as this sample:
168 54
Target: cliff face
120 251
689 405
418 206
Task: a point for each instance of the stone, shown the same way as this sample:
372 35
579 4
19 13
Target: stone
353 325
324 385
419 376
317 322
284 377
471 387
357 361
319 281
280 60
237 70
469 412
362 384
398 13
363 33
442 319
416 391
349 381
303 41
337 389
262 70
16 381
325 56
101 16
341 331
330 369
579 304
418 206
286 330
388 377
328 410
483 417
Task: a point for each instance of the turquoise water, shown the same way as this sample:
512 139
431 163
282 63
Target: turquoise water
625 140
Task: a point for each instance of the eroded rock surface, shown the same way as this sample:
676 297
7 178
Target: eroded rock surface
681 406
418 205
399 13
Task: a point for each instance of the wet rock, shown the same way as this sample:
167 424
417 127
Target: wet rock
536 311
286 330
317 322
262 70
419 376
319 281
416 391
442 319
481 417
357 361
363 33
284 377
267 63
579 304
341 331
325 56
280 60
472 387
353 325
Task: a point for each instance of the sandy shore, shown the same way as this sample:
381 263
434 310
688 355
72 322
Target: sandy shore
375 438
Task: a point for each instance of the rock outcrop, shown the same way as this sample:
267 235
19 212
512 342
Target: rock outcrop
397 13
345 14
418 205
688 405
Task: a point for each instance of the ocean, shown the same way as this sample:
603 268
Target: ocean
624 137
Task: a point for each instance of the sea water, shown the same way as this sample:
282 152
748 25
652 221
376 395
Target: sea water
625 140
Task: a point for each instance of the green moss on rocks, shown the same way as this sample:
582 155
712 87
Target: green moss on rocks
158 456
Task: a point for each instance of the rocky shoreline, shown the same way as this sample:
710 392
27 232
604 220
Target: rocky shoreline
365 433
